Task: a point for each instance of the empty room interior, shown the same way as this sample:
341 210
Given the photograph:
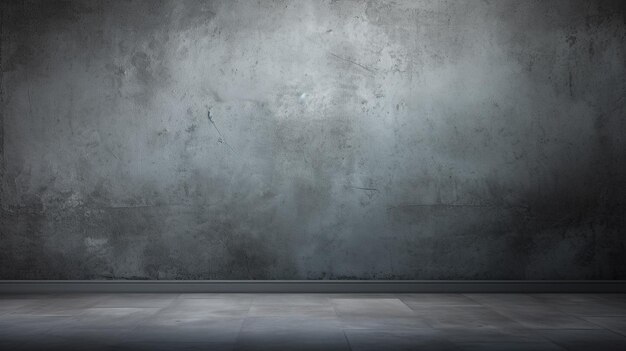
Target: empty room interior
313 175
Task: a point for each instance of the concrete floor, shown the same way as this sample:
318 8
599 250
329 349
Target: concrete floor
313 322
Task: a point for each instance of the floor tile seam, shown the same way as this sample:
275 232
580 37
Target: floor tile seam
534 334
520 321
240 331
343 331
555 346
491 309
575 330
623 315
566 348
393 329
608 329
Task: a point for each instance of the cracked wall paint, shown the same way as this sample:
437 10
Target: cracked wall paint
312 140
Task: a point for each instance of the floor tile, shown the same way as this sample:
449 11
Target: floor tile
579 340
292 310
11 305
187 330
385 323
614 298
229 296
218 307
137 300
492 335
381 307
437 300
585 304
14 327
392 340
504 299
287 333
532 346
175 346
464 317
113 317
541 317
291 299
616 324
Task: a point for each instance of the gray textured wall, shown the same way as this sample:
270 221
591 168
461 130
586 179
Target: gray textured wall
346 139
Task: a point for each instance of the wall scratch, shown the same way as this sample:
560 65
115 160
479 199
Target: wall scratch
352 62
221 138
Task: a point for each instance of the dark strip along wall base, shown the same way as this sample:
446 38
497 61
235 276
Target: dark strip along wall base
309 286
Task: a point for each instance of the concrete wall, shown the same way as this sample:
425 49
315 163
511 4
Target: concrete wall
313 140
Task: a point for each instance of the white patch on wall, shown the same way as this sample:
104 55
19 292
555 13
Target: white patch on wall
74 200
95 244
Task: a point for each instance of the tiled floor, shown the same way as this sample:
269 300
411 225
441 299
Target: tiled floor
594 322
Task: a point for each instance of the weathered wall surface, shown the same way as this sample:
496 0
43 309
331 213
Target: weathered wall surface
313 140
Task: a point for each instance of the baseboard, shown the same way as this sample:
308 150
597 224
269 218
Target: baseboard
311 286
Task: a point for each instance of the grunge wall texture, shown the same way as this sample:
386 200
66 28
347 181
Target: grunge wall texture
313 140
